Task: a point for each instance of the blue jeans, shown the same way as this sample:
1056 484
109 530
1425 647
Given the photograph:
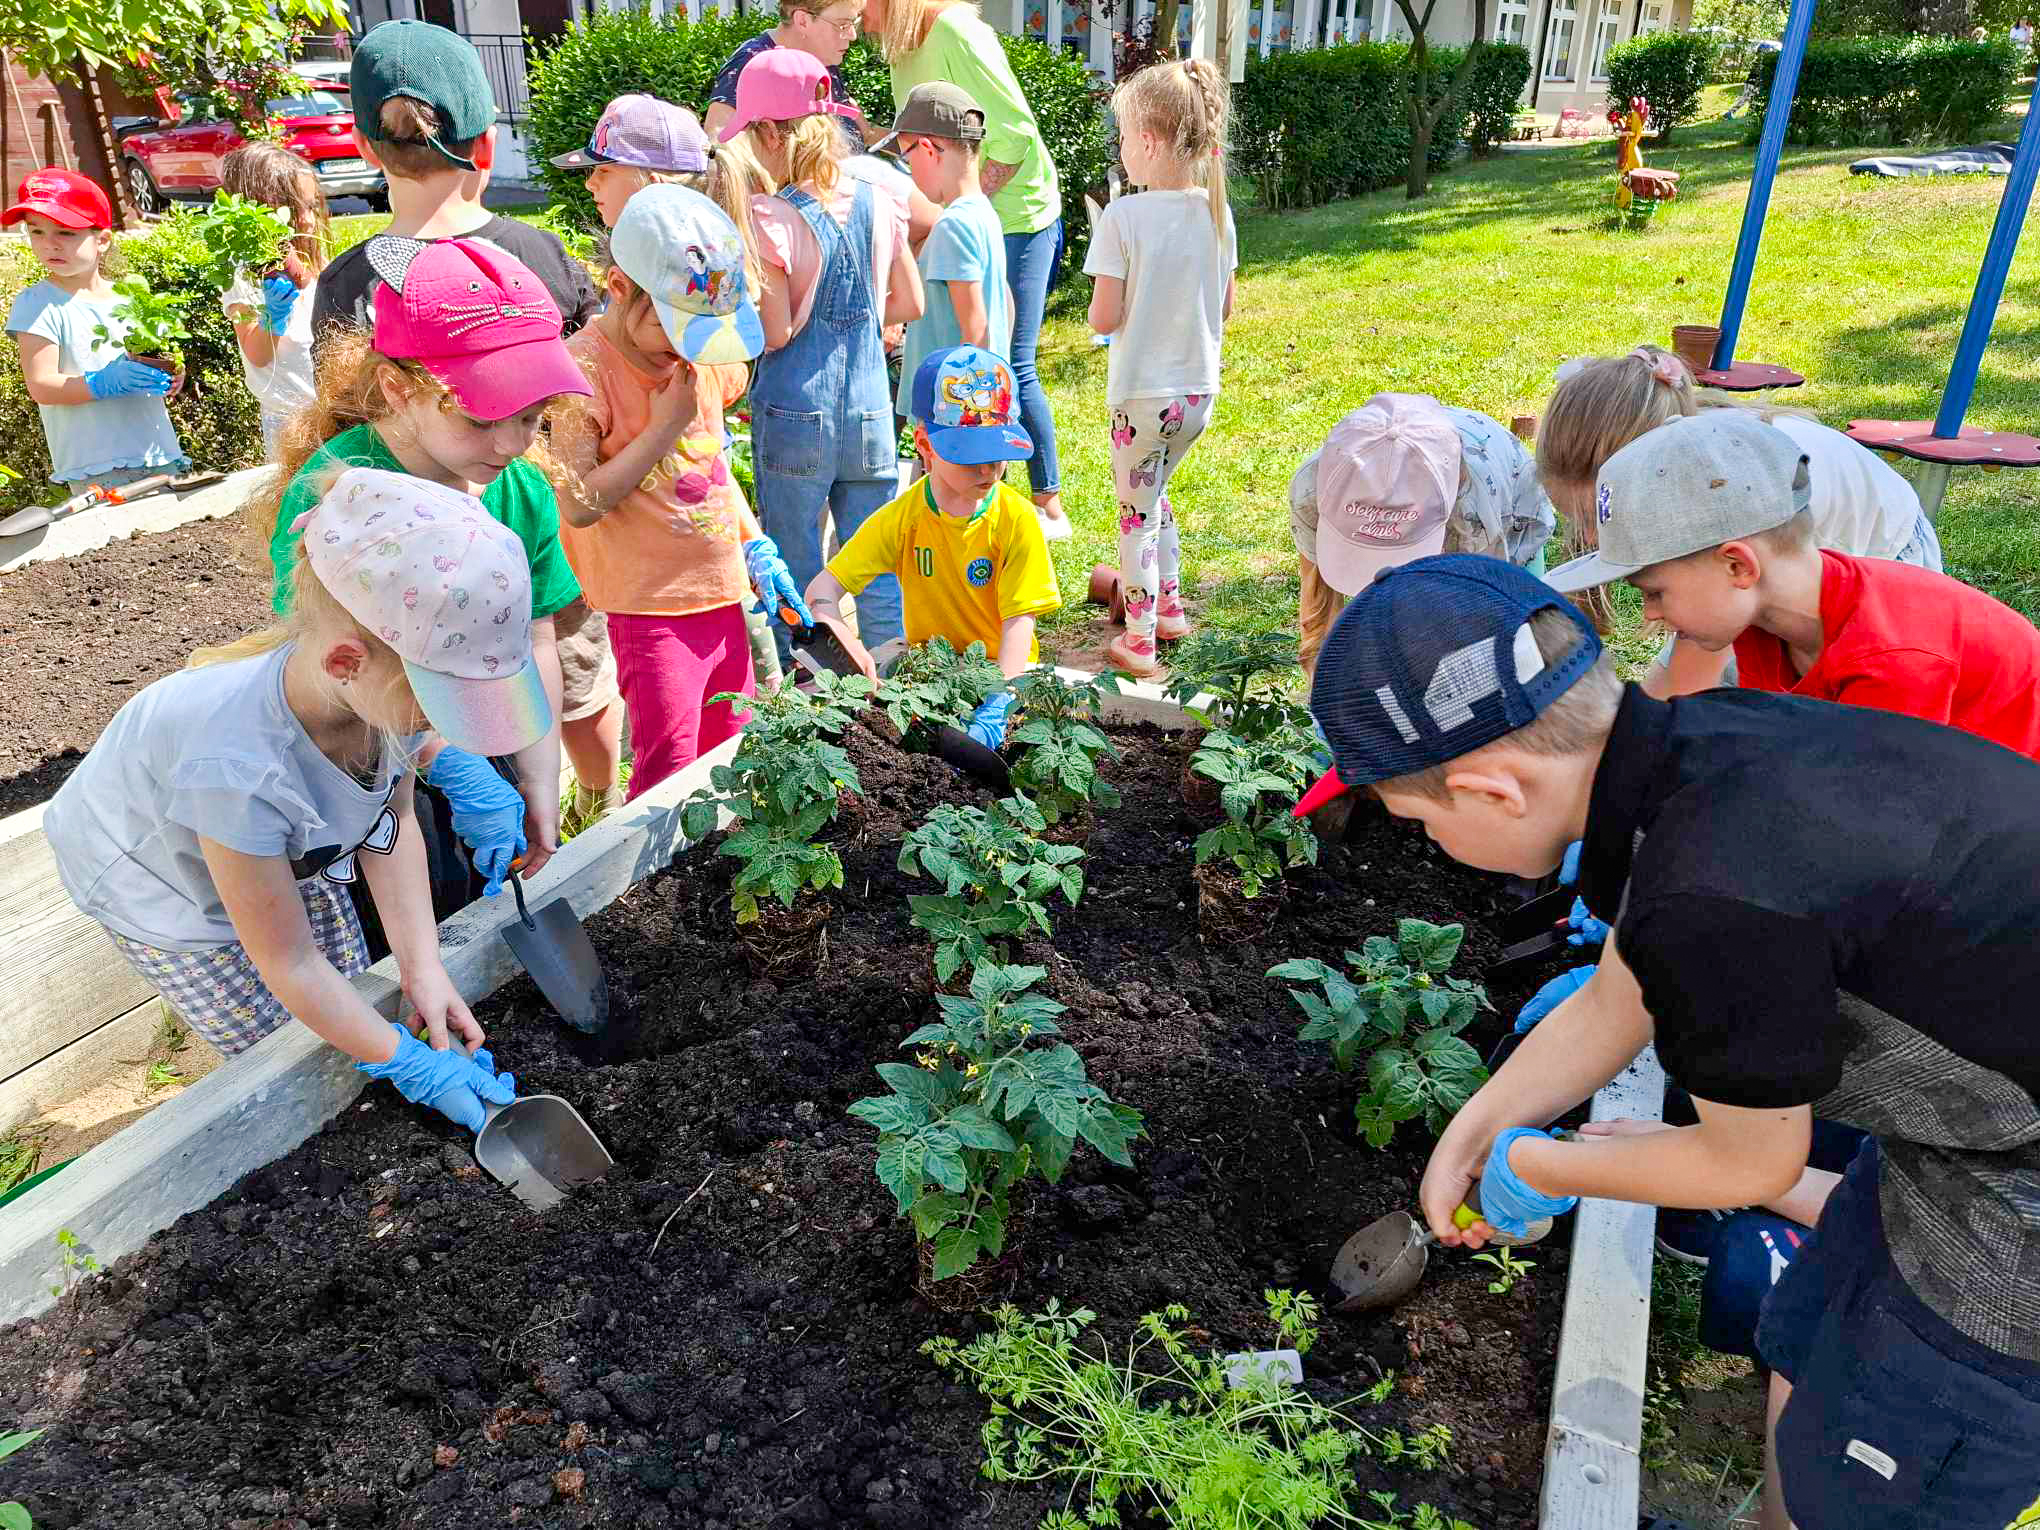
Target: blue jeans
1032 261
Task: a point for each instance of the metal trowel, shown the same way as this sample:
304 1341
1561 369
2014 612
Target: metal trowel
539 1146
553 946
1381 1264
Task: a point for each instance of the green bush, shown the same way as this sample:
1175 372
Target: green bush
1874 90
1494 93
1668 69
1070 111
1323 123
215 414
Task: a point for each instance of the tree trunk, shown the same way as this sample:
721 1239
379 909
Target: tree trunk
1424 120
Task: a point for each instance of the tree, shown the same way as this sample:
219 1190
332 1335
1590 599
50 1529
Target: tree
51 37
1425 114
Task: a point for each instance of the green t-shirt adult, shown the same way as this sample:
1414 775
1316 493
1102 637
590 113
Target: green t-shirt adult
521 498
966 52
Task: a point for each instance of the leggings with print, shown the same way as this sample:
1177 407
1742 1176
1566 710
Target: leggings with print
1150 438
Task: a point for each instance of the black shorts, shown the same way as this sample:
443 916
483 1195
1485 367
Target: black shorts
1897 1421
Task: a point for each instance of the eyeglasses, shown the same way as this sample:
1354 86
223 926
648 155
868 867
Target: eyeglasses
843 28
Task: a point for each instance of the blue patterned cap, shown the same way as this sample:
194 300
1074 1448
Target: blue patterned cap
967 399
684 251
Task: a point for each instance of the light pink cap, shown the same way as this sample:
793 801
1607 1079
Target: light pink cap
1387 480
780 85
429 571
476 318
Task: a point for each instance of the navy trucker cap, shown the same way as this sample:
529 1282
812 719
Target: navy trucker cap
1431 661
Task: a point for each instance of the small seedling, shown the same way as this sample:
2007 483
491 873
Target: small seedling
14 1516
1249 678
20 1155
996 877
162 1075
1507 1267
1295 1316
935 686
1426 1451
151 322
76 1262
1259 780
1061 744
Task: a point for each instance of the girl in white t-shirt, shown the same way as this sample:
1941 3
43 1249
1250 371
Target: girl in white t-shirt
273 317
1163 262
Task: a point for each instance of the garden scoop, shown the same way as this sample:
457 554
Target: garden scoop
38 516
553 947
539 1147
1381 1264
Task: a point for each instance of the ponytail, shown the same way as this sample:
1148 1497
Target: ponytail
733 177
1185 103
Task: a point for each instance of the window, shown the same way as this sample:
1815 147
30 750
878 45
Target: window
1513 21
1653 18
1606 32
1558 48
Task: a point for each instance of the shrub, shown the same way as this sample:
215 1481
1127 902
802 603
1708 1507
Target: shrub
215 414
1069 108
1668 69
1493 94
1894 90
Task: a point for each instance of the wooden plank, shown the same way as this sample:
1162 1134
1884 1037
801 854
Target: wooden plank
91 529
1267 26
80 1066
1304 28
1592 1472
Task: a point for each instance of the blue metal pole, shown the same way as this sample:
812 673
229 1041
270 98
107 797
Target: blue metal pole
1990 281
1784 85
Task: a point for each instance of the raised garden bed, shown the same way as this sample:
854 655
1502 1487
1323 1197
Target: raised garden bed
724 1333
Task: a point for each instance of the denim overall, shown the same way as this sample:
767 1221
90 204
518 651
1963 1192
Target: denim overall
822 421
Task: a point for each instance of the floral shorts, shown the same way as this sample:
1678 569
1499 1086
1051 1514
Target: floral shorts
218 992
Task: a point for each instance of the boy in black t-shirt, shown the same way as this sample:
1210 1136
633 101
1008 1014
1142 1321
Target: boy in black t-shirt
1819 907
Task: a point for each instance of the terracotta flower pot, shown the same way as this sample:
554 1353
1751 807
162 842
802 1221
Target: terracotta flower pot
161 364
1694 344
1108 590
1524 427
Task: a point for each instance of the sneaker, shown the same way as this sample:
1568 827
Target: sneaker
1134 655
1055 525
1688 1236
1172 622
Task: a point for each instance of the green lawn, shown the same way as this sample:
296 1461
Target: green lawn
1511 265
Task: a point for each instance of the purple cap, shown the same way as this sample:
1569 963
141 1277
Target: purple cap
646 134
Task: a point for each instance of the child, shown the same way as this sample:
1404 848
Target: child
273 322
1817 903
1403 477
1709 519
1860 504
102 411
963 263
216 825
968 551
1164 261
836 266
465 361
662 537
424 113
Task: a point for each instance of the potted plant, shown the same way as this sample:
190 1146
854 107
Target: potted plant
1060 748
1241 858
1402 1012
249 237
149 325
996 876
933 686
783 787
991 1096
1248 679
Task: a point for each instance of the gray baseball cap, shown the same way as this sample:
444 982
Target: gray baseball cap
939 109
1687 486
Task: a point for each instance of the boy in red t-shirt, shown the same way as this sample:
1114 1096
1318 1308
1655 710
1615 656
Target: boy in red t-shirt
1707 517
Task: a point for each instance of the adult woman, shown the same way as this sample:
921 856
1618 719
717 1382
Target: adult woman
947 40
824 28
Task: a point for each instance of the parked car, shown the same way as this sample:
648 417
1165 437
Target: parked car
175 158
325 73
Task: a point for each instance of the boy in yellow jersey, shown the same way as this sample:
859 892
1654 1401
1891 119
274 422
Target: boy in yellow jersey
972 564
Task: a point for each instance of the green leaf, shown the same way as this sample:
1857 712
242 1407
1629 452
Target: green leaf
991 1229
1308 968
892 1112
9 1444
902 1165
14 1517
1106 1132
945 1160
934 1034
956 1250
1051 1149
935 1211
921 1083
974 1129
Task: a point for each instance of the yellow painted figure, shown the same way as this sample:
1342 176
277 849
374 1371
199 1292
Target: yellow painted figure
1637 190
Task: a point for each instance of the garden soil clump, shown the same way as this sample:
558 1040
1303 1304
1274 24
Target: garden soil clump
724 1335
80 635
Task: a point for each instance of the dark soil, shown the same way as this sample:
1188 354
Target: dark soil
78 636
724 1334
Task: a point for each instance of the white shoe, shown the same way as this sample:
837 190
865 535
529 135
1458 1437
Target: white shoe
1054 528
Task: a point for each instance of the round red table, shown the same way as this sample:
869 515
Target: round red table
1748 377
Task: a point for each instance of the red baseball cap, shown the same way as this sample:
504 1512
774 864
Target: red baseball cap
62 196
476 318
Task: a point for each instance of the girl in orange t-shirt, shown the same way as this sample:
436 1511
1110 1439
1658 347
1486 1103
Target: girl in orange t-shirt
662 538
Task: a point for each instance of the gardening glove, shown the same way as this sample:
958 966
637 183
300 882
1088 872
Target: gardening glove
988 723
1569 868
125 376
279 297
488 813
1550 996
773 580
1586 929
1506 1203
451 1082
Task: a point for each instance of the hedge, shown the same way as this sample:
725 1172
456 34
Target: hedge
1871 90
1494 93
614 53
1312 126
1668 69
215 414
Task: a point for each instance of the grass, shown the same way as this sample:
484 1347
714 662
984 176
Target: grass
1510 266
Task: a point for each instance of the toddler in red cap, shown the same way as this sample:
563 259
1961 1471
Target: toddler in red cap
216 827
102 410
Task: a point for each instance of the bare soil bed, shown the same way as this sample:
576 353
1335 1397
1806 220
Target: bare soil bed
724 1335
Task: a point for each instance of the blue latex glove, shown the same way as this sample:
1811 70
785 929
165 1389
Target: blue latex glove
1569 868
125 376
279 297
1506 1203
988 723
773 580
1550 996
451 1082
488 813
1586 929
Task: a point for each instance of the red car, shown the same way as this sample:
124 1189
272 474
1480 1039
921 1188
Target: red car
169 158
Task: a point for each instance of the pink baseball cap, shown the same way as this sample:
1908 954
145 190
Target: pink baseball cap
781 84
429 571
1387 480
476 318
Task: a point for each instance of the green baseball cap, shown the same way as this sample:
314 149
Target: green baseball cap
417 61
